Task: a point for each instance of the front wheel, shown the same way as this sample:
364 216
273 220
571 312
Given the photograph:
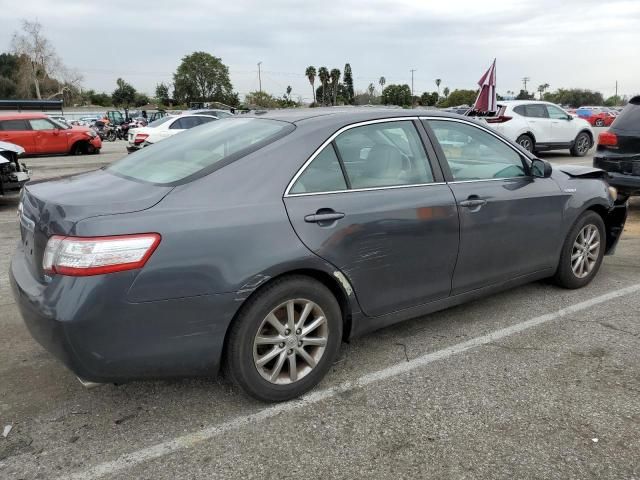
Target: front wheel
284 339
582 252
581 145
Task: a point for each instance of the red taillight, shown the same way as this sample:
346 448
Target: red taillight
500 119
139 138
608 139
85 256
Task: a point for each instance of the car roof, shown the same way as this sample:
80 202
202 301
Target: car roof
524 102
16 116
345 114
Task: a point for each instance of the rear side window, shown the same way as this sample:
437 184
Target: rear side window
186 123
384 154
520 110
628 121
14 125
536 110
200 151
323 174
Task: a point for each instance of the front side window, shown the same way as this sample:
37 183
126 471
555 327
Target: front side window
556 113
41 124
384 154
200 151
473 154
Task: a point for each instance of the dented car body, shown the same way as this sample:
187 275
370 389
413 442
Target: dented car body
398 214
13 173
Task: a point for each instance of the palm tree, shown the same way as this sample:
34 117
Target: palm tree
323 75
542 88
289 89
371 89
382 81
310 72
446 92
335 78
438 82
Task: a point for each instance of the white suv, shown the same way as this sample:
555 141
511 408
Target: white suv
538 126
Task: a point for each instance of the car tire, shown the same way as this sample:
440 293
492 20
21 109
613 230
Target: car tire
526 142
599 123
578 263
581 145
254 337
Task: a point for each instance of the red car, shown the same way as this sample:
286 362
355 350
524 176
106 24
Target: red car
596 118
38 135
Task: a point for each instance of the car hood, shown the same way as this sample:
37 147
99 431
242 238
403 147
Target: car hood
11 147
580 171
57 205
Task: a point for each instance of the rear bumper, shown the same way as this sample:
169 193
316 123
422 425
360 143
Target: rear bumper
90 327
623 172
627 184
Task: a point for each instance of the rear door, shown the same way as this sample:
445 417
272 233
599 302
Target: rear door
372 203
539 122
19 132
510 222
563 128
48 138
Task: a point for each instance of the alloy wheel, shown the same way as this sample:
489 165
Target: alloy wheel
583 144
526 144
586 249
290 341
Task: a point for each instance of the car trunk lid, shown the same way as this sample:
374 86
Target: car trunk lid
54 207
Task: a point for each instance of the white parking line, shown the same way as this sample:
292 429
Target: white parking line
185 441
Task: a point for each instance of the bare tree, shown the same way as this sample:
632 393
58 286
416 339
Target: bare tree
37 51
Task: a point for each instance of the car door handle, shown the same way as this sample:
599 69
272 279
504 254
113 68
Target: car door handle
324 217
476 202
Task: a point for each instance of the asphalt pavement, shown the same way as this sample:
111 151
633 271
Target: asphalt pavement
535 382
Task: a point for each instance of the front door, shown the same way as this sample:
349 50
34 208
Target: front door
370 204
539 122
509 221
47 137
562 126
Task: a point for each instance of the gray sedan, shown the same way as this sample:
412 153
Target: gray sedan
258 244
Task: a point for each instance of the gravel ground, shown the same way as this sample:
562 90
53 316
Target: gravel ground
556 400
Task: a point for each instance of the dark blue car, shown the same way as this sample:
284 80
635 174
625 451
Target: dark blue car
258 244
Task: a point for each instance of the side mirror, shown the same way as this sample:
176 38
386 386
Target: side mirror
540 168
569 117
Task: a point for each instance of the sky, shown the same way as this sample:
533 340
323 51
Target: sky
565 43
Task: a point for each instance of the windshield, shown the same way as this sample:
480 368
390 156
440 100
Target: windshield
200 150
160 121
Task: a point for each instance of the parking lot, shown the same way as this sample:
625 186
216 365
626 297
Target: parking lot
536 382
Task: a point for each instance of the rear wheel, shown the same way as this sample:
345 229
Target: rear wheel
284 339
581 145
582 252
526 142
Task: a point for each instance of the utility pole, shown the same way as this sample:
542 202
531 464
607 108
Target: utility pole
616 90
259 77
525 80
412 70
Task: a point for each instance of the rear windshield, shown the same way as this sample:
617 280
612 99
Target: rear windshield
200 150
629 119
160 121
